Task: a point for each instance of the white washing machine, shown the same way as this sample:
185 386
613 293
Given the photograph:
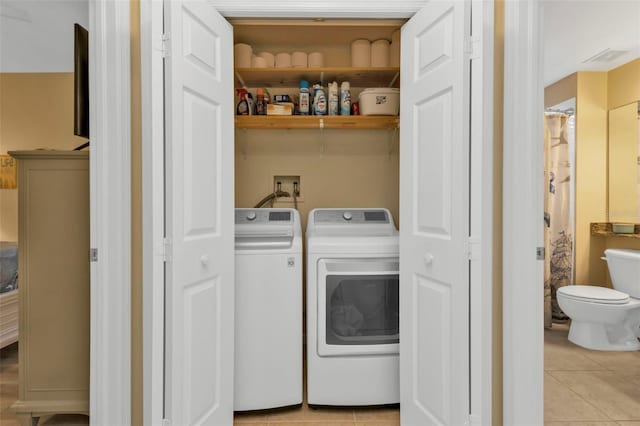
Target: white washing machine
268 309
352 307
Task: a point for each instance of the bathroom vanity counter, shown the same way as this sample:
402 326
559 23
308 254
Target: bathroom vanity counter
605 229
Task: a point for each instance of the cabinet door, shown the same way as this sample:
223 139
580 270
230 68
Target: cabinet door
53 280
199 216
434 212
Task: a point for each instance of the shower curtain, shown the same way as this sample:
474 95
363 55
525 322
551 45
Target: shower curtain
558 269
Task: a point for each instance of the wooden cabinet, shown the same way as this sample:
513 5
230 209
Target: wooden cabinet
333 39
53 253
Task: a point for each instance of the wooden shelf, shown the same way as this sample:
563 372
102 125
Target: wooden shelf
605 229
290 77
317 122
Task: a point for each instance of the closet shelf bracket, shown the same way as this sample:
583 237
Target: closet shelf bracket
393 80
240 80
321 126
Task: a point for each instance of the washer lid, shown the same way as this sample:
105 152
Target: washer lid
590 293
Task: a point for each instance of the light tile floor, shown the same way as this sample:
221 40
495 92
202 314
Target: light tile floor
304 415
582 388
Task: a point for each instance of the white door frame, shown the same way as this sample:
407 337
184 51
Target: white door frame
152 51
110 211
153 197
522 215
481 216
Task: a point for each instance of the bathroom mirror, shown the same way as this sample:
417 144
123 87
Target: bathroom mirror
624 163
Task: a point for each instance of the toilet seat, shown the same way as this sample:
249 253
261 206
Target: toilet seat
594 294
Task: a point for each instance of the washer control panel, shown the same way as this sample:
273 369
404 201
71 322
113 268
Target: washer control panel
262 217
351 216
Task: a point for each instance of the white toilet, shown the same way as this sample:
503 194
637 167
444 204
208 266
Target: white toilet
602 318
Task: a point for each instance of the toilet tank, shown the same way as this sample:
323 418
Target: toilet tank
624 268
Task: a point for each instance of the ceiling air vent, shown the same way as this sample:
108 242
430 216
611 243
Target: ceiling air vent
607 55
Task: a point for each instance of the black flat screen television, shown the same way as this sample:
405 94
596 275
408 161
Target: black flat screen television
81 82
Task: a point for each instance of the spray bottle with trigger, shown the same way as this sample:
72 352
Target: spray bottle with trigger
243 107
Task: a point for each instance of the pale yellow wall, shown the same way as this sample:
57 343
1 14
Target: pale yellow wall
624 84
36 111
356 168
623 95
591 175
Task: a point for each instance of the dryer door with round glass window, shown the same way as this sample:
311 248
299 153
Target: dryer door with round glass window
358 306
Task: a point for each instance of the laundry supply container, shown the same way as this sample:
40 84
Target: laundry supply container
379 101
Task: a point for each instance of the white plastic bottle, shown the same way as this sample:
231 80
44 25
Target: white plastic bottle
319 100
303 105
345 98
334 100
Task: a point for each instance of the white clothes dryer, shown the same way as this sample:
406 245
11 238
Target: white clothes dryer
268 309
352 307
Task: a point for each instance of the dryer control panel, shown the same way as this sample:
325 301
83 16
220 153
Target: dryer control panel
351 216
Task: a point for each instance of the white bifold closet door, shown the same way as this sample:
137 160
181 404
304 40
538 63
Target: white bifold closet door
434 199
199 216
434 216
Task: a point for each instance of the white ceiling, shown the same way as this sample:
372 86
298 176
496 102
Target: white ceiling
576 30
37 35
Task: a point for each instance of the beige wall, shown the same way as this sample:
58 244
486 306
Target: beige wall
498 109
561 91
8 215
623 243
136 218
36 111
356 169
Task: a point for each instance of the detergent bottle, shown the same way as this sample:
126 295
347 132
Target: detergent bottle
319 100
243 106
303 104
250 102
334 99
345 98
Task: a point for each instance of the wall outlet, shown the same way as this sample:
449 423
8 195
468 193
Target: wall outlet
287 183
